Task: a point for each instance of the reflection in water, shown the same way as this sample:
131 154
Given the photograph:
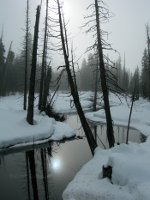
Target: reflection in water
120 134
56 164
28 175
44 172
44 169
31 157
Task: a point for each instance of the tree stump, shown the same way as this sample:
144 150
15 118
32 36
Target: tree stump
107 172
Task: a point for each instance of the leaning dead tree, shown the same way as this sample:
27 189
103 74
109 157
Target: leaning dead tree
71 80
110 134
98 15
30 112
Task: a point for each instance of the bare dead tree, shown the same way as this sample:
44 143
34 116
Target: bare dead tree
26 56
74 92
129 120
30 112
44 59
110 134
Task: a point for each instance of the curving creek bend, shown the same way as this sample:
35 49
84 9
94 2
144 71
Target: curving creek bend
43 172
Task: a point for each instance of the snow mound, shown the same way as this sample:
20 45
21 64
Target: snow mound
130 175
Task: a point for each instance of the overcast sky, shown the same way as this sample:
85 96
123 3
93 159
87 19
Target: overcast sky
127 27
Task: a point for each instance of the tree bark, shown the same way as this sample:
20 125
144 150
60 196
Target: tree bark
46 90
30 111
26 57
43 72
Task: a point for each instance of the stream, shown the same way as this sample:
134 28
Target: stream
44 172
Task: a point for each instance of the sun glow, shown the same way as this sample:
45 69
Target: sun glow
66 7
56 164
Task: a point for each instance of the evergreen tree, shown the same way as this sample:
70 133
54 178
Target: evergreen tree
2 52
119 71
144 75
135 86
148 53
123 78
9 74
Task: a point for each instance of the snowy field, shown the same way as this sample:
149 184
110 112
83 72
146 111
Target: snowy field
130 163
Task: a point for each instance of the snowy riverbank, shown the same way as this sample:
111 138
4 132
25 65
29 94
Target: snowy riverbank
140 118
16 131
130 163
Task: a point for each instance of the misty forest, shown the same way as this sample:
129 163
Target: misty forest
74 108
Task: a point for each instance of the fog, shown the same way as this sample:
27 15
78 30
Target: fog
126 28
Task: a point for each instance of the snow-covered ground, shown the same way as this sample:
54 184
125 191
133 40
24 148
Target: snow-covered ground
130 163
63 102
140 118
14 130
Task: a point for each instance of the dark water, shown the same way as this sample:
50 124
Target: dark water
44 172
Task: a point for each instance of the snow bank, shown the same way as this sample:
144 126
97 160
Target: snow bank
130 175
63 102
120 114
15 130
130 163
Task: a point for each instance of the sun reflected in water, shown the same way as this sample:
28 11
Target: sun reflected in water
56 164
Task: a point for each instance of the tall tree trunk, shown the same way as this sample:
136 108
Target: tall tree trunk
44 57
74 92
129 120
26 57
30 111
110 134
46 89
